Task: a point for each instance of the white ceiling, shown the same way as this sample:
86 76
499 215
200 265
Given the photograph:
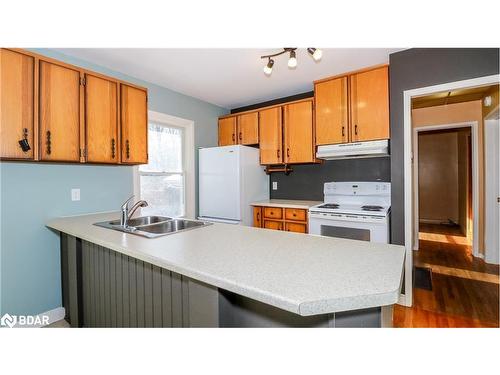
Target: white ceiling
229 78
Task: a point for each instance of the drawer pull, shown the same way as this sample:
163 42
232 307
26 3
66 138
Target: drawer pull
127 149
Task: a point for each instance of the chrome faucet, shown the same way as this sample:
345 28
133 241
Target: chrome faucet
128 212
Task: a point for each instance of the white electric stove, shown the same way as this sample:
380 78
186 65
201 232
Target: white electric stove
355 210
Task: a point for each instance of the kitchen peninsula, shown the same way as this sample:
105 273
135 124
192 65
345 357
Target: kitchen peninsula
223 275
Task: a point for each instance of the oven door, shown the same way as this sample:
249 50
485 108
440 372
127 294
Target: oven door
376 230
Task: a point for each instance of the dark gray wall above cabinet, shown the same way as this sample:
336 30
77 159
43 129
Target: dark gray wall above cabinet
306 181
421 67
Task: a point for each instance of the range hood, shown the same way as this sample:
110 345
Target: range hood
367 149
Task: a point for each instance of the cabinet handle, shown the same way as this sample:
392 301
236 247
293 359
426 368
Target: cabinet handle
343 131
23 143
113 148
48 143
278 153
240 136
287 152
258 216
356 129
233 138
127 149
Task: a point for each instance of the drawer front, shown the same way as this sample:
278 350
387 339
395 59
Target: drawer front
271 224
257 217
296 227
295 214
273 212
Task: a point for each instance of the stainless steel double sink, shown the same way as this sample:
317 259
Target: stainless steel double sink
153 226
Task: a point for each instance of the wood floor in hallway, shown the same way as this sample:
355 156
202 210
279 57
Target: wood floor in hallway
465 289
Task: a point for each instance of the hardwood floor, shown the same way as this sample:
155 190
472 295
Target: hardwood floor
465 289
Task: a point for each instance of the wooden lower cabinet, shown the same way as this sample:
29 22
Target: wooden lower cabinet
296 227
280 218
257 217
273 224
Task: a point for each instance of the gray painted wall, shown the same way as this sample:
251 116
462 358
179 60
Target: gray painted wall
306 181
421 67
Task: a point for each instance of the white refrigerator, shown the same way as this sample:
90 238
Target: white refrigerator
230 179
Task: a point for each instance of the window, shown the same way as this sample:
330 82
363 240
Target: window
162 181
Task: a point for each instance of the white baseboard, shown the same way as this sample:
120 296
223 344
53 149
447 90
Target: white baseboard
53 316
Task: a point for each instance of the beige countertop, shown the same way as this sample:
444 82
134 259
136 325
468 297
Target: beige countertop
301 273
287 203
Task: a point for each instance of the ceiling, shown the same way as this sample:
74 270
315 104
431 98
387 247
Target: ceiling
229 78
451 97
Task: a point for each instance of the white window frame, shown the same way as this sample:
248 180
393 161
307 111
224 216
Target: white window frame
188 158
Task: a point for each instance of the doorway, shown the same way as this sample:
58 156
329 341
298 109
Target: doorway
447 281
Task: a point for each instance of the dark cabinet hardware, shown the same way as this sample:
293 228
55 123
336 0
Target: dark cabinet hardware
288 152
48 143
343 131
113 148
25 146
233 138
240 136
356 129
127 149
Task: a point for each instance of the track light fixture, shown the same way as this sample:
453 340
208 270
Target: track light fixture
268 69
315 53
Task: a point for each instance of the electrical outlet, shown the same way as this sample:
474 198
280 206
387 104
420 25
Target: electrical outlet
75 194
275 185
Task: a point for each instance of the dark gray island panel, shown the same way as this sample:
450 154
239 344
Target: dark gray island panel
103 288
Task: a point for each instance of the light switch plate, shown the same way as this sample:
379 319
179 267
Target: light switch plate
275 185
75 194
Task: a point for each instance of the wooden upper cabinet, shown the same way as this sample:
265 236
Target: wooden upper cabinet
17 104
331 111
248 128
101 119
370 104
59 112
134 125
227 131
270 136
299 134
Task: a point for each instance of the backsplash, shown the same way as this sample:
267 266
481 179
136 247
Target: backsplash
306 181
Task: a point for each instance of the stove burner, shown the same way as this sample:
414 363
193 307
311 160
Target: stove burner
371 208
329 205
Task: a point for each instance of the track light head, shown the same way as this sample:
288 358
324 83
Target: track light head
316 53
268 69
292 61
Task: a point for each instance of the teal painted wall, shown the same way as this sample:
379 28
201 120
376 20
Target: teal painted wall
32 193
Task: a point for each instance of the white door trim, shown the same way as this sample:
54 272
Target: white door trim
408 178
492 208
189 157
475 178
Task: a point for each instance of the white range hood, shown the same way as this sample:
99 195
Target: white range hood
367 149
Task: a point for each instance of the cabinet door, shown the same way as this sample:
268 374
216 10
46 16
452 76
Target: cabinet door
59 112
101 117
227 131
298 128
370 105
248 129
257 217
134 125
296 227
271 224
270 136
17 105
331 111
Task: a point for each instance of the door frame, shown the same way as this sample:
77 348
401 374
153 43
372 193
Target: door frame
407 298
491 255
473 125
189 159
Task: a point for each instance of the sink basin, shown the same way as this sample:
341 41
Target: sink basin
171 226
153 226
